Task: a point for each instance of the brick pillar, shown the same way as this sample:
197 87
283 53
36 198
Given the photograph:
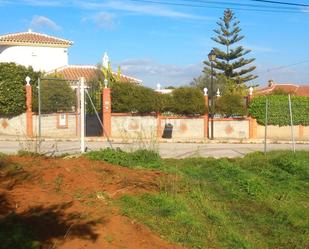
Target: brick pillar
252 121
159 127
29 122
252 128
107 111
300 132
206 121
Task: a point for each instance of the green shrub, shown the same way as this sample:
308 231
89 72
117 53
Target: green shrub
138 158
188 101
231 104
130 97
56 96
278 110
12 88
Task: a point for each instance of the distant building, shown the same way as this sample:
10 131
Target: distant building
72 73
273 87
163 91
49 54
42 52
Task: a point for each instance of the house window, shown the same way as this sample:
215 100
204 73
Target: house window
62 121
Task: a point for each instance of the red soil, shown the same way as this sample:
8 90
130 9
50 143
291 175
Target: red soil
67 203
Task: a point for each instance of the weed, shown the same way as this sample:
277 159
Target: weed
58 183
79 194
109 238
28 153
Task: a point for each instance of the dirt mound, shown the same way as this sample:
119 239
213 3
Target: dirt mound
68 203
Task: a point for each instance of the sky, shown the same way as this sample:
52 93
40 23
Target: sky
166 44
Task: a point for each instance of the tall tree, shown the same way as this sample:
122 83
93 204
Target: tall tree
230 62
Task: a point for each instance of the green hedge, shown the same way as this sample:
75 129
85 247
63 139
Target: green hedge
56 96
129 97
188 101
12 88
278 110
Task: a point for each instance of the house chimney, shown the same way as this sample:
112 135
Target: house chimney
270 83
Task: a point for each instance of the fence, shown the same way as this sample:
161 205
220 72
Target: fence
126 126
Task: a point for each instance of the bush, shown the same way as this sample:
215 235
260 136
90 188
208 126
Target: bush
231 104
12 88
188 101
138 158
129 97
278 110
56 96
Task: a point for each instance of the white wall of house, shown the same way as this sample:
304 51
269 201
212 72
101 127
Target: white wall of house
40 58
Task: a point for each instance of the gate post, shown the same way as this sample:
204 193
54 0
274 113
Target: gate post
29 122
206 135
252 121
107 110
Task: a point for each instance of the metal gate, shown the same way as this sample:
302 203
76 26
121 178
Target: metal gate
93 116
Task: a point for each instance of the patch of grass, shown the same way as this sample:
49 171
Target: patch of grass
58 183
136 159
15 235
79 194
255 202
28 153
169 216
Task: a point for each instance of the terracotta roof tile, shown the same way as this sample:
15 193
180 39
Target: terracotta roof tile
303 91
74 73
288 88
33 38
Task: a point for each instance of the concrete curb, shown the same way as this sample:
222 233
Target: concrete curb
133 141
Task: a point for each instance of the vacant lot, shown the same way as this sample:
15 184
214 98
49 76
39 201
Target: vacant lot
253 202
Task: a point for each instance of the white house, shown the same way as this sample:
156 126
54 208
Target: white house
72 73
49 54
42 52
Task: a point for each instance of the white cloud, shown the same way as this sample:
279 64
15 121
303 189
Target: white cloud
281 74
4 2
46 3
102 20
258 48
152 72
305 9
141 9
44 22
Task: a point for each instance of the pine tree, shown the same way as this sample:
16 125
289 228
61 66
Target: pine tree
231 62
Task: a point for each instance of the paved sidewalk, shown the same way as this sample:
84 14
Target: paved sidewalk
166 150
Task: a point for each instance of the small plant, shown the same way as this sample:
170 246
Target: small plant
79 194
109 238
58 183
28 153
